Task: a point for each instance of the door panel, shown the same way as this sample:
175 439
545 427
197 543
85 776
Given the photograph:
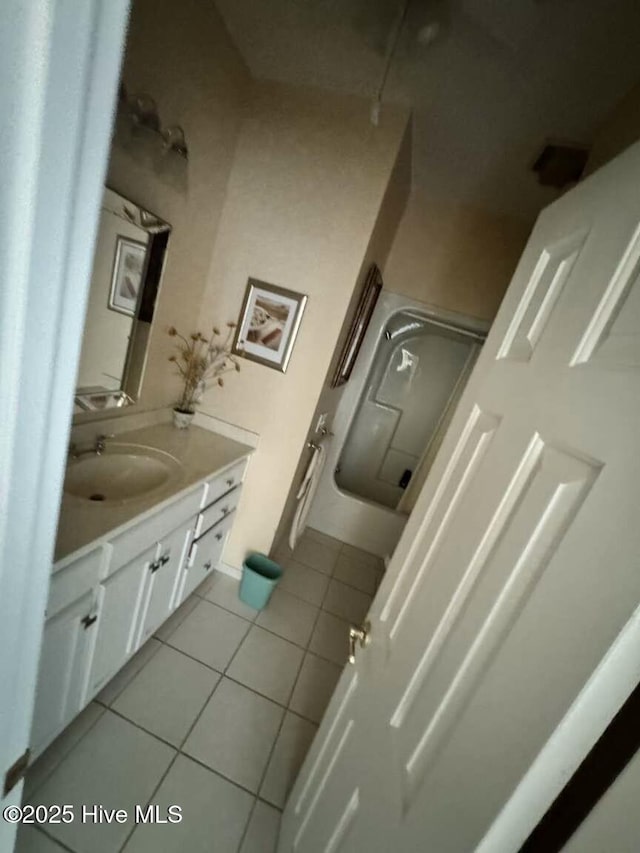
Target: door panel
517 570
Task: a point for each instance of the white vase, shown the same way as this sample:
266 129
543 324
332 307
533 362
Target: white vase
181 420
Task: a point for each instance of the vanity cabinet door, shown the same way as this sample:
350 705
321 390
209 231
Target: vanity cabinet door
67 643
204 556
160 599
120 597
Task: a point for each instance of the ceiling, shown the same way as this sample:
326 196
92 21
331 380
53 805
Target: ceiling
500 78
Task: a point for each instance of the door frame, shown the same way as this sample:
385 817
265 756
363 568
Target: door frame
60 64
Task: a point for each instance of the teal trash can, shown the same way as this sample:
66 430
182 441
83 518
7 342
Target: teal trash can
260 576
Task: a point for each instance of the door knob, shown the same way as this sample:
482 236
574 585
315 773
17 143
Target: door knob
358 634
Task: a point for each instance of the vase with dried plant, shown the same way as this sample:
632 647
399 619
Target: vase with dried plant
201 362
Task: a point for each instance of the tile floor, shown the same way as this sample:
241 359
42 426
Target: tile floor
215 714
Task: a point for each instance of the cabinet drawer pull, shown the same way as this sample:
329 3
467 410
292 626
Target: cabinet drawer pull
207 565
153 567
225 510
165 559
218 536
230 482
89 620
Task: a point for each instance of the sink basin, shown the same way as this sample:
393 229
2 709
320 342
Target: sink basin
121 473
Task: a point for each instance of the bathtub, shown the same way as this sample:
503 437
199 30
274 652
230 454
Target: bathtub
380 439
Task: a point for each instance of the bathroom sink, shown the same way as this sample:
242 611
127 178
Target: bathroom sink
121 473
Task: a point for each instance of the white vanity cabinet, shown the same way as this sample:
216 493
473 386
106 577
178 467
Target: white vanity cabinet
68 641
105 604
119 599
160 593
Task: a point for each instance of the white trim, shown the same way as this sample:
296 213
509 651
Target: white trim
605 692
59 63
226 569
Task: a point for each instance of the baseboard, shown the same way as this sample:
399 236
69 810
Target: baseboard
226 569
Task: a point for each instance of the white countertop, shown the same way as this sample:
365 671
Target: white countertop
201 453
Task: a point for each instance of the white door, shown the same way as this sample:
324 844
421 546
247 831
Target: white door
519 565
59 66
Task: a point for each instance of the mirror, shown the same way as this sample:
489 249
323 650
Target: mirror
125 281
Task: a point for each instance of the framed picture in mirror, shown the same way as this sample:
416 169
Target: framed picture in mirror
128 267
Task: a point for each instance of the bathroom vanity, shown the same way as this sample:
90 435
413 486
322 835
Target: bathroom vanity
124 562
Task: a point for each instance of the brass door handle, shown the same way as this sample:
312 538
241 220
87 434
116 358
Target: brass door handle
358 634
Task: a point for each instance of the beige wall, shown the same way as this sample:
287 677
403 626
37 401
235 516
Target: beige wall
384 232
181 54
454 257
305 190
619 130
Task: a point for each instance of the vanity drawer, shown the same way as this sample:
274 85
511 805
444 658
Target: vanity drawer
140 537
75 580
220 485
205 555
217 511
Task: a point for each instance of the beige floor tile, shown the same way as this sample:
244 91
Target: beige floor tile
364 557
356 574
235 733
306 583
322 538
316 555
330 638
177 618
264 826
346 602
289 617
61 746
129 671
210 634
115 765
267 664
314 688
214 811
167 695
290 750
223 590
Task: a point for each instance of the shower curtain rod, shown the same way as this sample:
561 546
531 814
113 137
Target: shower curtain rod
451 327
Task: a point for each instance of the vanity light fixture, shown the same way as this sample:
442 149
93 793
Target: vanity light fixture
141 114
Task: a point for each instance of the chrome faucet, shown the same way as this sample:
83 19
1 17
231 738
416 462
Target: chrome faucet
101 444
98 447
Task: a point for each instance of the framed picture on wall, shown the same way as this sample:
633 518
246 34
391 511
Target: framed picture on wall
367 302
126 278
269 322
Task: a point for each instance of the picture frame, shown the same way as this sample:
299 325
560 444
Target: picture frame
359 325
127 275
270 318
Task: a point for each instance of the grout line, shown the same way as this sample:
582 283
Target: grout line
67 752
39 828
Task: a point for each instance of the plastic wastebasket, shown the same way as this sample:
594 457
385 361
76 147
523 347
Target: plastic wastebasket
260 576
